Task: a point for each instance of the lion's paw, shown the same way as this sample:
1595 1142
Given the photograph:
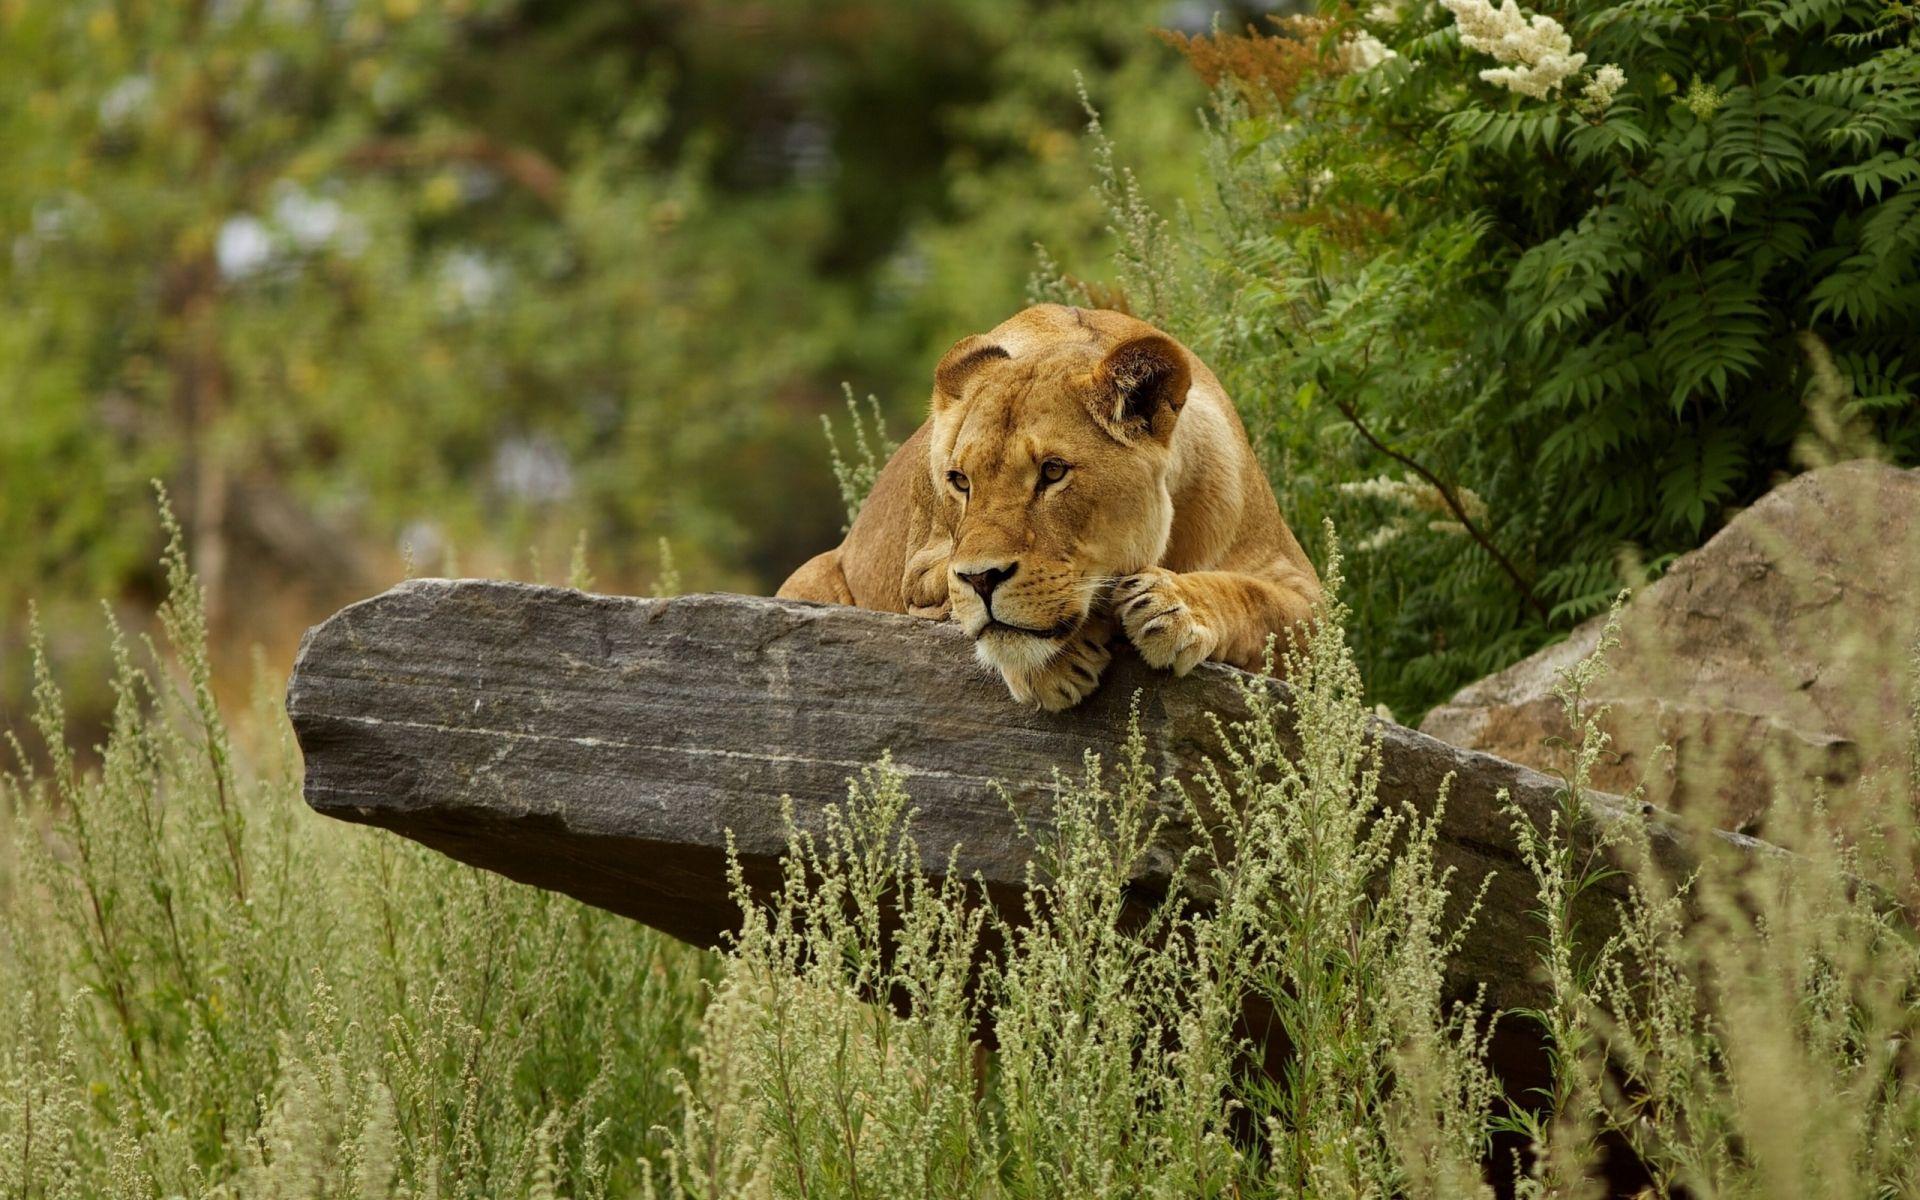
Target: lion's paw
1160 621
1068 677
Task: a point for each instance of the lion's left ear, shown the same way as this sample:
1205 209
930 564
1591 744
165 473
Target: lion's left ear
1141 385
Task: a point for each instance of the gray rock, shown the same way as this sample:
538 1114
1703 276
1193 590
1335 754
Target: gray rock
607 747
1773 657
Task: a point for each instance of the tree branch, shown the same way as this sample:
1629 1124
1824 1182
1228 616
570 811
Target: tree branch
1453 504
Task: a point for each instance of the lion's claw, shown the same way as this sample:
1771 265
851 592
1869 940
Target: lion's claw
1160 623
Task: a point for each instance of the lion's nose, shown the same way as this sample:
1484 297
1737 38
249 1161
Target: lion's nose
986 579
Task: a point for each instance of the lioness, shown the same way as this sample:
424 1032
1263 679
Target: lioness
1080 470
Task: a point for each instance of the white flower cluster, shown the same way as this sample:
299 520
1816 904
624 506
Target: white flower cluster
1382 487
1386 12
1703 99
1599 92
1537 55
1363 52
1412 494
1380 539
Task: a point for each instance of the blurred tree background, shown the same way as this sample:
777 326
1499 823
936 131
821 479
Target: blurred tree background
453 283
481 286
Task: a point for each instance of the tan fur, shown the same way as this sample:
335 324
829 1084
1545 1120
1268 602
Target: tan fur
1163 525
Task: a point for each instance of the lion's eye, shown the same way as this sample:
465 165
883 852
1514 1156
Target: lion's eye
1052 471
958 480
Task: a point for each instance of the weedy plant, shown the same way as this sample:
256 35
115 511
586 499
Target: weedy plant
1745 1029
1748 1029
838 1056
856 472
209 992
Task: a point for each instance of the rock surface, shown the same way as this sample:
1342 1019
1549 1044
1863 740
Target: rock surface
607 747
1773 656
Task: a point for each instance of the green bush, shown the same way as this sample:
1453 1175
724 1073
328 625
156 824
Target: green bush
1519 308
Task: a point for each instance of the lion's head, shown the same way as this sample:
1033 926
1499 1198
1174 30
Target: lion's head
1051 472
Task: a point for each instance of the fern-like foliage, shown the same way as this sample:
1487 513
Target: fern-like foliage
1590 307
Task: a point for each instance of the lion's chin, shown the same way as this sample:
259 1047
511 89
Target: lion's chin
1005 652
1011 648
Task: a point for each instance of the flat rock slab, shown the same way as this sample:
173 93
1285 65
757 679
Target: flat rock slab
606 747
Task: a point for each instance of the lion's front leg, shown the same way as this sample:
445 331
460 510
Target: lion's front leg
1071 675
1178 620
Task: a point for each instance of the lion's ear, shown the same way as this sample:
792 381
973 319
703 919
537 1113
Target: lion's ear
968 355
1142 384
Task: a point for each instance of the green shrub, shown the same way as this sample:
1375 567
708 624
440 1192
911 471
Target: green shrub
1517 314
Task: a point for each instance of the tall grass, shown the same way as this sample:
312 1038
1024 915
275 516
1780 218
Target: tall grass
1123 1065
207 991
1746 1030
1750 1028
